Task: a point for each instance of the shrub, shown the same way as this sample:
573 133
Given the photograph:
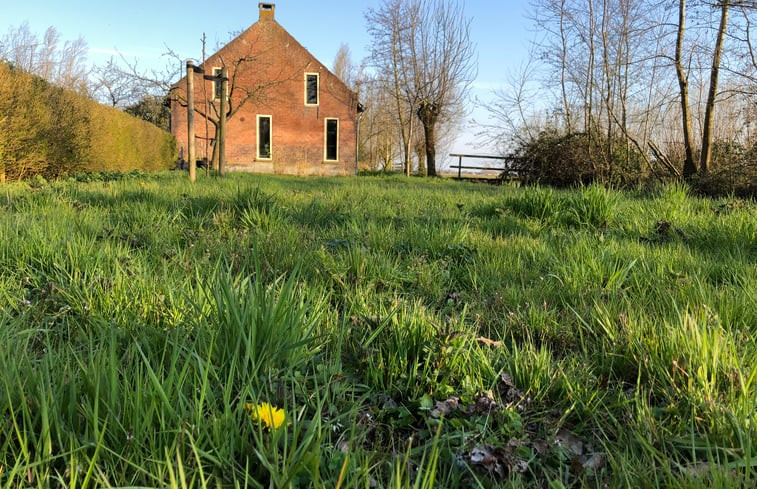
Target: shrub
51 132
577 158
555 159
733 171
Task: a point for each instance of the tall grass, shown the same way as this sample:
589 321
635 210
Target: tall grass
415 334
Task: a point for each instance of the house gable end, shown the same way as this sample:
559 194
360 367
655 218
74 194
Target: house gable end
287 112
261 31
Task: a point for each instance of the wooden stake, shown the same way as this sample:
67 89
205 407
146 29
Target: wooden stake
221 141
191 121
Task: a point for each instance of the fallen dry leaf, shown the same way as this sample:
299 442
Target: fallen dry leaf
594 462
497 460
570 442
485 404
443 408
510 394
489 342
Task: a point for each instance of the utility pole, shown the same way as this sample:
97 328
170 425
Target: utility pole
191 120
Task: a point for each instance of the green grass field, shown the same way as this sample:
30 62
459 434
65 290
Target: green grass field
415 333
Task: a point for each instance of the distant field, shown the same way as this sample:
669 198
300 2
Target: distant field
414 334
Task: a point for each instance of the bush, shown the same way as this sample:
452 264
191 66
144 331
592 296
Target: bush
733 171
577 158
51 132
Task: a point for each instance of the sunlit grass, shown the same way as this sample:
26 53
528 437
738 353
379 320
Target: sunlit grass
404 333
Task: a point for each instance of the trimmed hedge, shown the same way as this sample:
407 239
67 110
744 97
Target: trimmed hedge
48 131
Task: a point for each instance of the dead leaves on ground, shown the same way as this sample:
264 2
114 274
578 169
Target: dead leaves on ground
516 456
500 461
503 459
484 404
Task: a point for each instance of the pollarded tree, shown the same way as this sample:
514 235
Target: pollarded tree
425 46
443 65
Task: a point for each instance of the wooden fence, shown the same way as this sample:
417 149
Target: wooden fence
507 170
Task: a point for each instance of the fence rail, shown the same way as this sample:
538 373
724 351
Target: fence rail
507 170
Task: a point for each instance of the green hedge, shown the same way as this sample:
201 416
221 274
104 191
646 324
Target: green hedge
49 131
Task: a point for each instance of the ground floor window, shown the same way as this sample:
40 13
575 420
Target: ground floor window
264 137
332 139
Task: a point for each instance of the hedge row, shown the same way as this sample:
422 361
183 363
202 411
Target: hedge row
48 131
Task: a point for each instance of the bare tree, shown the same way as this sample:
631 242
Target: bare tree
424 47
707 129
344 68
122 82
564 66
646 77
391 26
65 65
443 64
689 166
377 144
113 85
511 122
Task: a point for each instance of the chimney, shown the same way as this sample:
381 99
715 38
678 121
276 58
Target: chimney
266 11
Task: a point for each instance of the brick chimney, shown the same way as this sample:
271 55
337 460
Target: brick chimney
266 11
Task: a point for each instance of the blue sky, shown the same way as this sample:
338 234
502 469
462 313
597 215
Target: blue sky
144 30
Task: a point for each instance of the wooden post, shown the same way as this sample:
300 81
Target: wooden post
221 136
191 121
459 167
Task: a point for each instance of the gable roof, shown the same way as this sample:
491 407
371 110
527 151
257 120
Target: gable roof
267 26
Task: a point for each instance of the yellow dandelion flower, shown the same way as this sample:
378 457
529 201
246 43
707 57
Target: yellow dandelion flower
269 415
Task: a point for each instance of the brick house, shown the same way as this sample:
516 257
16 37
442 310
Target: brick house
288 113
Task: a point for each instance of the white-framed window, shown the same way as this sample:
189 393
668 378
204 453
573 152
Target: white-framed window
216 86
312 86
265 137
331 140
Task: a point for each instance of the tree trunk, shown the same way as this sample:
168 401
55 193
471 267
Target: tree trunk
689 167
706 156
407 135
428 133
214 155
563 69
589 94
428 113
608 95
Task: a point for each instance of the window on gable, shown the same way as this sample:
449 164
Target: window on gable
216 84
332 140
264 137
311 88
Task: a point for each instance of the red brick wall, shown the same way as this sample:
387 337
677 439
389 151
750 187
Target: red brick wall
274 69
